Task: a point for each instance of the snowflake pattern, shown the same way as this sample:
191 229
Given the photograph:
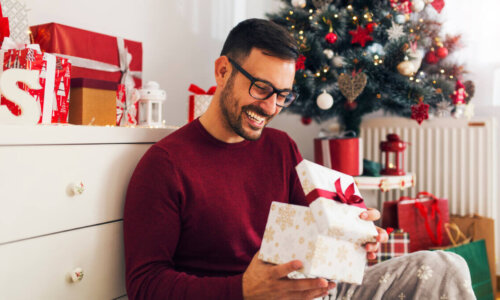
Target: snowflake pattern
424 272
468 286
443 297
308 218
342 253
335 232
402 296
269 234
306 184
285 217
384 278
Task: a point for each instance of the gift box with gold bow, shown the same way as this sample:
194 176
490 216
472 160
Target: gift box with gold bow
328 236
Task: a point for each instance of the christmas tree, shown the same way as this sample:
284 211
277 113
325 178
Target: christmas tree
361 56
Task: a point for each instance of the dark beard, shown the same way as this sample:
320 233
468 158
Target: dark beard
228 104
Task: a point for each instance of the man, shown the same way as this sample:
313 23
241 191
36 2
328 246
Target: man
198 201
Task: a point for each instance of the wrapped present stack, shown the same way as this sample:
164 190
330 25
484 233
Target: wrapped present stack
328 236
110 60
199 101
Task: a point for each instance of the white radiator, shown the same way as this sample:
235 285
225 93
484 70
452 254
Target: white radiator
453 159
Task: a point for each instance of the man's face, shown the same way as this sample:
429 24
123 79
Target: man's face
245 115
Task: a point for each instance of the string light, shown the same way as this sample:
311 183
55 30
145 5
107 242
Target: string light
349 7
442 71
291 12
310 17
335 16
301 32
434 81
451 76
417 80
293 26
311 11
354 18
411 78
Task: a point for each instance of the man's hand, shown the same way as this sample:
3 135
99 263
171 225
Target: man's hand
373 215
266 281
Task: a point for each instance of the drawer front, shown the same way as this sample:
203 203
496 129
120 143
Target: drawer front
40 268
36 186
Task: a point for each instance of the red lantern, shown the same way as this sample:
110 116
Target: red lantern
392 155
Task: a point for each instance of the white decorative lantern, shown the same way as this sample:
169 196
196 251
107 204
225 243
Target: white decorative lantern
150 104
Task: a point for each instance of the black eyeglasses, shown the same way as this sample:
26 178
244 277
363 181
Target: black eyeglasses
261 89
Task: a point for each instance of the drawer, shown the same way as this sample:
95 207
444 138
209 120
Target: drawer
35 186
40 268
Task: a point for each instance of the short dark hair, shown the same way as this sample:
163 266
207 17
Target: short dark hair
266 35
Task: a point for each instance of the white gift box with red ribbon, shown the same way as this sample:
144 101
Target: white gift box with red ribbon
199 101
328 236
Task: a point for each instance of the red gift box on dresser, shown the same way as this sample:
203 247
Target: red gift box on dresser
93 55
341 154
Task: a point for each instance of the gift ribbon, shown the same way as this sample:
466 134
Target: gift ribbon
435 212
193 88
348 197
4 25
124 57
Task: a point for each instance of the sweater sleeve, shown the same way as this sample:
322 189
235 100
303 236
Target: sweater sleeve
152 226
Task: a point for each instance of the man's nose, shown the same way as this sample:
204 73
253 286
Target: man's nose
269 105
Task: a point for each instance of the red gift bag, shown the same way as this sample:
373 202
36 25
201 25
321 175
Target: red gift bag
422 217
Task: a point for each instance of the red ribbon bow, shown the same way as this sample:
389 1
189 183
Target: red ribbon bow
193 88
348 197
4 26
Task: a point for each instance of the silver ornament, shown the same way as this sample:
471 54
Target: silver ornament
417 5
324 101
338 61
321 3
328 53
299 3
400 19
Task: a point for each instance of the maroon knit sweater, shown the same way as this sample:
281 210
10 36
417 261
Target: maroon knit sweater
196 210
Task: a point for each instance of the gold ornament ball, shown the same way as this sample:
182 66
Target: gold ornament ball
406 68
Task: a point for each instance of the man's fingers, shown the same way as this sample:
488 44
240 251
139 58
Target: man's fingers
283 270
311 294
305 284
382 237
371 214
372 247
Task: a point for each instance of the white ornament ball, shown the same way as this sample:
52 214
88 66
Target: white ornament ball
328 53
417 5
324 101
406 68
338 61
400 19
299 3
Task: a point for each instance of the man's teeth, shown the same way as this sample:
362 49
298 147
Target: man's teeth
255 116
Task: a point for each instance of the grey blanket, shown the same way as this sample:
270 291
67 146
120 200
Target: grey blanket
425 275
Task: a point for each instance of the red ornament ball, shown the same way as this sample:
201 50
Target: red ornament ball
306 120
442 52
431 58
331 38
371 26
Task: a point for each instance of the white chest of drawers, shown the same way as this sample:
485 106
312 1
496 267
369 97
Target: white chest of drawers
51 228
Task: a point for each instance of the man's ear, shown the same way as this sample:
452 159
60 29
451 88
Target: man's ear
223 69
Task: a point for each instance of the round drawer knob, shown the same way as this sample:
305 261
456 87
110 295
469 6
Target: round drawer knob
77 275
77 188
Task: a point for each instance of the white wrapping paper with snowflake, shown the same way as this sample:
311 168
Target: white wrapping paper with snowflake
328 236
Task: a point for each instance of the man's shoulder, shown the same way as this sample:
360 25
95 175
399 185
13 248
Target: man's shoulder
179 137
